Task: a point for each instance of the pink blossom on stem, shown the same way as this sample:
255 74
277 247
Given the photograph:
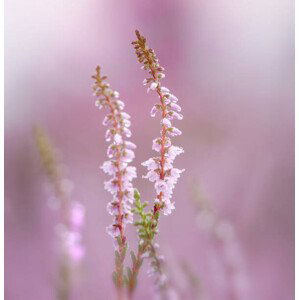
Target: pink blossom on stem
120 153
160 168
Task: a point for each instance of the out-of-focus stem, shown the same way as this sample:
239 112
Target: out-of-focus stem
49 161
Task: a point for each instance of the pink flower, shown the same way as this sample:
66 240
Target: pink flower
160 169
109 167
113 208
153 86
77 215
128 195
111 186
130 145
175 106
151 164
77 252
161 186
128 218
166 122
74 247
118 139
173 131
120 153
154 110
174 114
152 176
168 207
174 151
130 173
128 155
113 230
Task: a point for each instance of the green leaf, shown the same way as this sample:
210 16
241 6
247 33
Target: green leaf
133 257
136 195
130 274
118 240
114 277
124 251
126 280
117 257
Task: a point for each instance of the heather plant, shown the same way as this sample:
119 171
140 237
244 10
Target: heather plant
223 237
126 201
120 153
71 216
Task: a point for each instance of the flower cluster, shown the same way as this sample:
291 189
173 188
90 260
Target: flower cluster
120 153
72 236
72 212
160 168
72 215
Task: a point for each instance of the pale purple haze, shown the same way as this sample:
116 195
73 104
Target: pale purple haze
230 63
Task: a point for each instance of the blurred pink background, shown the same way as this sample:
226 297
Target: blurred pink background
231 64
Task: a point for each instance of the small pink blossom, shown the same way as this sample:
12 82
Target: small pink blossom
173 131
154 110
175 106
113 230
152 86
174 151
118 139
111 186
164 89
157 144
130 145
127 132
152 176
151 164
166 122
130 173
127 156
168 207
77 215
161 186
112 208
175 115
109 167
125 115
77 252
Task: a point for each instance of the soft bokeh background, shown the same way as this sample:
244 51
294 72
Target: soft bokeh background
231 65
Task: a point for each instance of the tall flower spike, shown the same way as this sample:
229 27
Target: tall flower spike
69 230
120 153
224 237
160 168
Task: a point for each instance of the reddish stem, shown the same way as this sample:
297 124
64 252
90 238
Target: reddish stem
120 194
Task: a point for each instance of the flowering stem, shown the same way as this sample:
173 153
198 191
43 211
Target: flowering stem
167 175
71 216
160 168
154 72
120 154
48 159
122 239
